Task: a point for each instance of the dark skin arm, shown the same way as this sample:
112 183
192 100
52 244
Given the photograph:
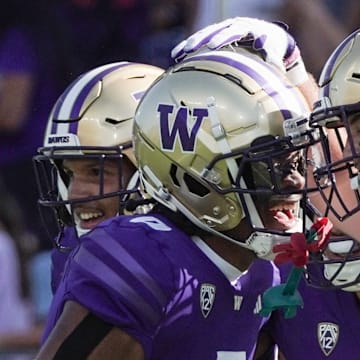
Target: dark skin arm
264 346
116 344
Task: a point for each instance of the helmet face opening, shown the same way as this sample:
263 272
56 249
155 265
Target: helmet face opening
83 189
272 171
264 165
53 178
341 142
337 115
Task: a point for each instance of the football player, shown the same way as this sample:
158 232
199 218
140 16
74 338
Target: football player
87 162
276 46
328 326
319 330
221 142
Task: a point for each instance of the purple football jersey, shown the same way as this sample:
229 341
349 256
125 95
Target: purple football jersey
147 277
328 327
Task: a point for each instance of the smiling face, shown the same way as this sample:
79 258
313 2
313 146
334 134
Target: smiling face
85 180
278 212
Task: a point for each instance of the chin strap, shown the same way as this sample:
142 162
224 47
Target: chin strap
286 296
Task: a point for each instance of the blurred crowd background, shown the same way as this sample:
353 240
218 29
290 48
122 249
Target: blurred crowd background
44 45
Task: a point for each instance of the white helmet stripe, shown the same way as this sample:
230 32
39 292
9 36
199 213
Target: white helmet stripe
71 100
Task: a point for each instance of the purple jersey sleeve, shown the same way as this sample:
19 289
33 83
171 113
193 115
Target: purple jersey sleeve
328 326
150 279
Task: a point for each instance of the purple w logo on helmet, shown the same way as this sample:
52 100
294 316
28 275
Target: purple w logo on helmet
182 123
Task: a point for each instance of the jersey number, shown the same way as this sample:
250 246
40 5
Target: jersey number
231 355
152 222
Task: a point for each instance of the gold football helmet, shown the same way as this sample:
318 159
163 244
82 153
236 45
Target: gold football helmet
93 118
337 114
214 138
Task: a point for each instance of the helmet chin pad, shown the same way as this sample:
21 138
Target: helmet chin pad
337 265
342 274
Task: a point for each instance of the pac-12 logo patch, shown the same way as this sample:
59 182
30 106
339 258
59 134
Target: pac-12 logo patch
207 297
328 335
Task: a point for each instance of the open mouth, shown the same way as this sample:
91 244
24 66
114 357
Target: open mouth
88 218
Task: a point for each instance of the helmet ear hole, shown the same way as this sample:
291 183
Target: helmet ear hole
194 186
248 175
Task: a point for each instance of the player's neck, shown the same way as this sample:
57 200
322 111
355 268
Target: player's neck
236 255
